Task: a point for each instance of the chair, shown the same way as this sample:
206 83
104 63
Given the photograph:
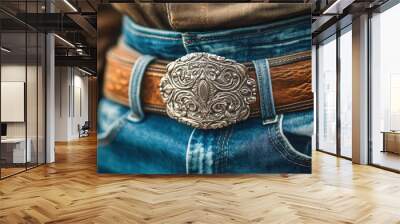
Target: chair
84 129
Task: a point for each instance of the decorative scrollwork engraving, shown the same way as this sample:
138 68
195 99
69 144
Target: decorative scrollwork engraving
207 91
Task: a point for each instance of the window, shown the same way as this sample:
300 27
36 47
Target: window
385 89
334 106
346 92
22 78
327 95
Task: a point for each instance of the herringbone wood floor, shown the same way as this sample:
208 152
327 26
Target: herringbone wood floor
70 191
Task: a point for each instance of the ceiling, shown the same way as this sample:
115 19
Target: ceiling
72 20
76 21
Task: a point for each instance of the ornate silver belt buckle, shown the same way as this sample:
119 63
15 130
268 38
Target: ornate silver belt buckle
207 91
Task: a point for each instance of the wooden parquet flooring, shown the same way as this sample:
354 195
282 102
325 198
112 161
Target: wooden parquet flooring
70 191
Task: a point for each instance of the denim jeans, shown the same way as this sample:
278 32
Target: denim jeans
241 44
132 141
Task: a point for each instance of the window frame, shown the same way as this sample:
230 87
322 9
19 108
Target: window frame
339 32
381 9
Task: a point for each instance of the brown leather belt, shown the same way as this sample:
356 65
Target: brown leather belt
290 77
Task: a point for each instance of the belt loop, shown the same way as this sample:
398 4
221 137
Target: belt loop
135 82
267 105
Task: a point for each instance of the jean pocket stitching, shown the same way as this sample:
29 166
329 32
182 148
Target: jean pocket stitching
283 146
111 133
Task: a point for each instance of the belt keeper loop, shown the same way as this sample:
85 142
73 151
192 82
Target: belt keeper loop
267 104
135 82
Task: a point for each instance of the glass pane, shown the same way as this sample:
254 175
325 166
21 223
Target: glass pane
31 98
41 99
22 89
385 84
327 96
346 94
14 153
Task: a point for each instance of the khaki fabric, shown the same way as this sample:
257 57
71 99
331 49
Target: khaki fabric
209 16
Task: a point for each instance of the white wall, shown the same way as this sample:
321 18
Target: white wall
71 94
13 73
50 95
33 127
61 103
80 115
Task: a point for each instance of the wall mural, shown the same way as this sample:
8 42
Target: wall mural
206 89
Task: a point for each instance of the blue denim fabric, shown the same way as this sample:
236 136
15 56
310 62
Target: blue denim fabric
267 105
241 44
135 87
160 145
157 144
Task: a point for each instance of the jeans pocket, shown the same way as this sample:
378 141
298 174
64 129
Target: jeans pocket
285 148
109 135
111 118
